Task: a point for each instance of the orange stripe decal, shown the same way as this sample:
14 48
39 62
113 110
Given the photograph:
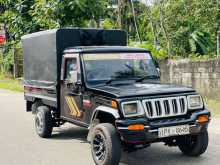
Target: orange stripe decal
76 107
71 107
74 110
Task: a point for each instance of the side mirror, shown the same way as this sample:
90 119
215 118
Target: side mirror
73 76
74 79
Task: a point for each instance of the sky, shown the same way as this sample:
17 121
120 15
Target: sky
149 2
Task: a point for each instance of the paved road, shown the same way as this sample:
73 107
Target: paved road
19 145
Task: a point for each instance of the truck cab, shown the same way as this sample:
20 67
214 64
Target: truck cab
116 92
93 76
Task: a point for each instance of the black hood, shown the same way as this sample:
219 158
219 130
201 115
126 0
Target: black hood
137 89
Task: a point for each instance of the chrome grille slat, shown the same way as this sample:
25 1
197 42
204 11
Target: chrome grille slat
171 107
178 106
158 107
166 104
165 107
175 106
182 104
162 108
154 112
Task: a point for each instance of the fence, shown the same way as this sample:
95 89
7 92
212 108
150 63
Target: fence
201 75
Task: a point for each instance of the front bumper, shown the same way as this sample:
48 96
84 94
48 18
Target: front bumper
150 132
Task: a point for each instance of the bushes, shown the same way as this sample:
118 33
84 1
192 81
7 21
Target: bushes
161 54
7 54
6 62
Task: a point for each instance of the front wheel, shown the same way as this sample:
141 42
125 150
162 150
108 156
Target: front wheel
43 122
105 145
194 145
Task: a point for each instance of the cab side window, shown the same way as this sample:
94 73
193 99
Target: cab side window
71 65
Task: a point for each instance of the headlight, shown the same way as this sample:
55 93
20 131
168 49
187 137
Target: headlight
132 108
195 102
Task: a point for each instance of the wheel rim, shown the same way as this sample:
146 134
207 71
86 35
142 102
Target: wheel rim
99 147
39 122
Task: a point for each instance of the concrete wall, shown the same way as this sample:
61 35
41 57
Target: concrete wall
201 75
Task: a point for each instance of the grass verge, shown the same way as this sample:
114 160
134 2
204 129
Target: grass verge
213 106
10 84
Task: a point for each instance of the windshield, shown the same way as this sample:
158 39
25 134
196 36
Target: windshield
118 66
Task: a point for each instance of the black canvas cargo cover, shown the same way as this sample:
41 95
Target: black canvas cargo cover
43 51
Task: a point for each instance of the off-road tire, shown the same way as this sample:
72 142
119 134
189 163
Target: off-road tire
194 145
111 141
43 122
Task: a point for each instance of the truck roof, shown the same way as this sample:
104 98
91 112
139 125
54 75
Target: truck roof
103 49
43 51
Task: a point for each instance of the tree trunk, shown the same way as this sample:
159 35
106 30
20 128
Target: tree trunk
218 28
135 21
98 23
120 6
153 25
217 43
163 27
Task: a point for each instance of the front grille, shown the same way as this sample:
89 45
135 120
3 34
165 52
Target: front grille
165 107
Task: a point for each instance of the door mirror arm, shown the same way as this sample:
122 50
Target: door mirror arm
78 87
78 84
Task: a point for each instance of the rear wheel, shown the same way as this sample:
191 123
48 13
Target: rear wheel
105 145
194 145
43 122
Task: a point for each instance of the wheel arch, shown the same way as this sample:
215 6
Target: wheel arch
105 114
36 103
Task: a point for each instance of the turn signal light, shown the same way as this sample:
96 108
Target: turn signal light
136 127
114 104
203 118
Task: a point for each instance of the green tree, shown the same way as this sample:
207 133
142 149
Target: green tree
190 25
180 27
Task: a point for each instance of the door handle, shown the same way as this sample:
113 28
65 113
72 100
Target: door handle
68 85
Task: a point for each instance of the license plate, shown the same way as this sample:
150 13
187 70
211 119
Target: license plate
173 131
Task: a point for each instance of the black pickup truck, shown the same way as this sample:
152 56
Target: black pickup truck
90 78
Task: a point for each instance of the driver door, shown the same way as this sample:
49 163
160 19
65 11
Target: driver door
71 96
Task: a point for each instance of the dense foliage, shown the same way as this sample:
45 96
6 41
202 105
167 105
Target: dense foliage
167 27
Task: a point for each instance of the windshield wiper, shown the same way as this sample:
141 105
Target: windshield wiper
111 80
147 77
